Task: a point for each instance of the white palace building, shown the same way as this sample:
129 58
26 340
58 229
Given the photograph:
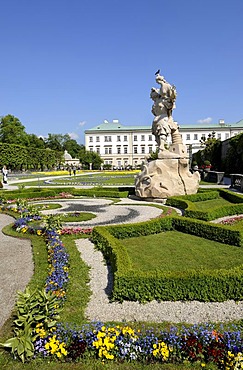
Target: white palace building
121 146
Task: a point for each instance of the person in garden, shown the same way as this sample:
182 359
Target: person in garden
5 174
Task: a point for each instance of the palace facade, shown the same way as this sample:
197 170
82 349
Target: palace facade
121 146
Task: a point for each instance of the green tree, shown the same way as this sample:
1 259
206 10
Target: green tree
211 152
87 157
12 131
233 162
72 147
54 142
35 141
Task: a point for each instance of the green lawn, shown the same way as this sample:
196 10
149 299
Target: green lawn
209 204
176 251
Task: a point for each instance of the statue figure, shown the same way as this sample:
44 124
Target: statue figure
164 102
169 175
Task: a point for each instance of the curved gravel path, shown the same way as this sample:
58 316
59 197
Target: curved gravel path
106 212
100 309
16 266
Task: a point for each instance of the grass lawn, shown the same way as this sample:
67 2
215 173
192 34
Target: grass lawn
206 205
104 178
44 206
77 216
176 251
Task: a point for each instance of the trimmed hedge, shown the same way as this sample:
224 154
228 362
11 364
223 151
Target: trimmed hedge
203 285
189 204
219 233
100 192
154 226
231 196
33 193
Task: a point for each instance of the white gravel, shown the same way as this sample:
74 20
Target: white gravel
106 212
99 307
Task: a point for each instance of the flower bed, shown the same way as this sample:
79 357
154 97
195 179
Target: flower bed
199 344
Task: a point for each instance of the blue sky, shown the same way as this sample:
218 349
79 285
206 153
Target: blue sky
66 65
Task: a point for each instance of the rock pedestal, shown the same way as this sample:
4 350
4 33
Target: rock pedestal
168 175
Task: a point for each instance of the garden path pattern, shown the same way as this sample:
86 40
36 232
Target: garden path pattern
16 266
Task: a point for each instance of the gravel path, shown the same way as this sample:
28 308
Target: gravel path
99 308
106 212
16 266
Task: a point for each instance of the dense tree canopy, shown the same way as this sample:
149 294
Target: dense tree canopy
20 150
12 131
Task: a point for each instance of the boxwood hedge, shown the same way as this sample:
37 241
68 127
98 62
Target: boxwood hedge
202 285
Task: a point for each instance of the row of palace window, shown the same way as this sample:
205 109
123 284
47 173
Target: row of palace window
108 139
108 150
203 136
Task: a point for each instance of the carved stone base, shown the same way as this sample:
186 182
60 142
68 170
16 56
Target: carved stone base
166 177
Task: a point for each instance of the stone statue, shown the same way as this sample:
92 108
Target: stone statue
169 174
164 102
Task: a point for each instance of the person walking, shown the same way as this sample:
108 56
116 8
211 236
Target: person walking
5 174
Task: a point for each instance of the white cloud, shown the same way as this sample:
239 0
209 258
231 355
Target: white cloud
205 120
73 135
82 123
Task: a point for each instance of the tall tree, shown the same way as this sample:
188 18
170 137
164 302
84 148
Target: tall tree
36 141
56 141
12 131
72 147
87 157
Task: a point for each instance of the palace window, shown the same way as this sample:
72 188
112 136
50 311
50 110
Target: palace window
142 137
125 138
107 138
91 139
108 150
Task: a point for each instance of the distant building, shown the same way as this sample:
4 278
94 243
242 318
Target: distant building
69 161
120 145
